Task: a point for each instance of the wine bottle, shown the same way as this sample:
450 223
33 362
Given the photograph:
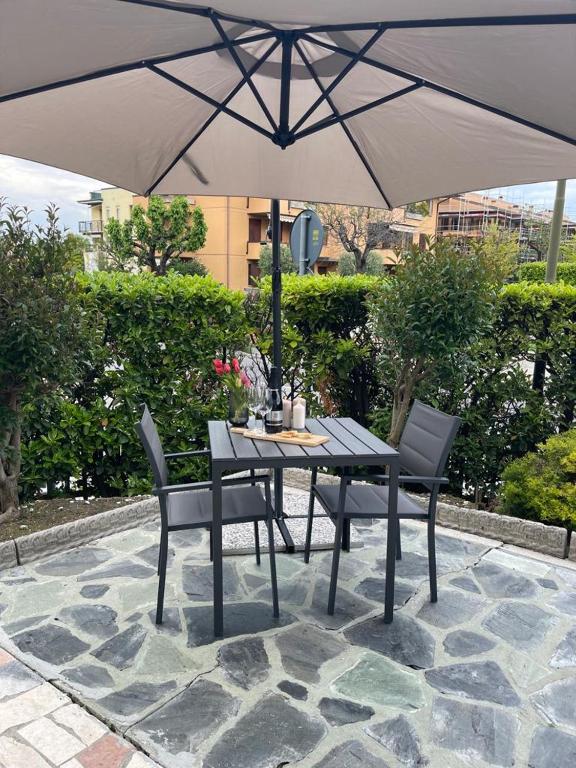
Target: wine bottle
275 413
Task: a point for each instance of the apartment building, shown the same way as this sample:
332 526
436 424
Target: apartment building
237 229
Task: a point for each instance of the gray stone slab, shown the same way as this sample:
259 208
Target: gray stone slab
343 711
405 640
94 591
400 737
453 607
89 676
295 690
50 643
349 607
465 643
564 602
547 583
187 720
74 562
503 582
305 648
150 555
557 702
475 732
15 678
290 593
171 622
121 650
412 566
479 680
465 582
351 754
552 748
17 626
8 557
93 619
522 625
273 733
565 654
124 569
373 589
377 680
198 581
247 618
135 698
245 662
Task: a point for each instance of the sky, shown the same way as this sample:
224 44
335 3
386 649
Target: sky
34 186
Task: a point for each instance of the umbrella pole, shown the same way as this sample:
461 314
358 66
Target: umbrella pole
276 372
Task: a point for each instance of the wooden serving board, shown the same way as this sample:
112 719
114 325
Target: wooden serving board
300 438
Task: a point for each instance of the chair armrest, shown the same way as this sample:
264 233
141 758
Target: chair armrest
182 454
206 485
413 479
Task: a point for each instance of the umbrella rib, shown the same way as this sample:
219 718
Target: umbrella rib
448 92
129 67
330 121
209 100
211 119
239 63
203 11
345 128
338 79
543 19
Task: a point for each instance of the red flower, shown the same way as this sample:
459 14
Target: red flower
218 367
235 365
245 380
227 368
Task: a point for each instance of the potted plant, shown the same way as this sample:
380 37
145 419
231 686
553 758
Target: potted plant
237 383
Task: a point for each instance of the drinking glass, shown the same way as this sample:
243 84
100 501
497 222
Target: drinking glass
256 404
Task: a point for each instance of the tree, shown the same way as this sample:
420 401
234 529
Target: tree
75 246
360 229
189 266
435 305
346 264
374 264
41 330
568 250
287 265
153 236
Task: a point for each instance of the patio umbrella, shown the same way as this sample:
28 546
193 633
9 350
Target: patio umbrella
373 102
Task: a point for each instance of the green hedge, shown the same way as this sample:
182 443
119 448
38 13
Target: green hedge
535 272
542 485
154 339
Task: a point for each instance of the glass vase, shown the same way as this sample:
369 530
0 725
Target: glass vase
238 407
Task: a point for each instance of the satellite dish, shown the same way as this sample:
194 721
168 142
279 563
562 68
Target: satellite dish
306 240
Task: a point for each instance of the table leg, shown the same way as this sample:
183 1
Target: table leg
279 510
391 542
217 552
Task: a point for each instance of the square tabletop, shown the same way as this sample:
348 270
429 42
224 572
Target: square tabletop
349 444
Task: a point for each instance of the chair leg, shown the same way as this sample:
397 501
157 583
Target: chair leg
399 544
162 534
162 560
272 555
346 535
308 543
211 546
432 559
335 563
257 542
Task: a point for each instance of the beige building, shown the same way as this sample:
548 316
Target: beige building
237 229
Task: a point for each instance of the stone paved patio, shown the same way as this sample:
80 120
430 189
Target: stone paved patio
487 676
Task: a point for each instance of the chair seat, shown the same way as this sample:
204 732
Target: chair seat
193 509
367 501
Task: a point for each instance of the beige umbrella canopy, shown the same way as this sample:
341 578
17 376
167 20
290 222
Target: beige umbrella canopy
377 102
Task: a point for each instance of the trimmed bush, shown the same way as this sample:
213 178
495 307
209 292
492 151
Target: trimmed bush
535 272
542 485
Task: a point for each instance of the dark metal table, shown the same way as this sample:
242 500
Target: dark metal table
349 445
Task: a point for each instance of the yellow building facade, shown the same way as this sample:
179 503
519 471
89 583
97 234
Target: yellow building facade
237 229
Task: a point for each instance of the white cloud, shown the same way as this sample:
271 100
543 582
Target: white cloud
34 185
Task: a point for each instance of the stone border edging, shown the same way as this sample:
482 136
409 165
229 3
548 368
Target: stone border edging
26 549
548 539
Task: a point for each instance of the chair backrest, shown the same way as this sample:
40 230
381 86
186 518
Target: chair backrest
148 434
426 441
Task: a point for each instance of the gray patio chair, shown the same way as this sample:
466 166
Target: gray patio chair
189 505
424 447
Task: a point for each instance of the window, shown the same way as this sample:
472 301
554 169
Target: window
254 230
107 213
253 272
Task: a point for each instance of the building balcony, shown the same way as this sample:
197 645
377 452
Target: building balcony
90 227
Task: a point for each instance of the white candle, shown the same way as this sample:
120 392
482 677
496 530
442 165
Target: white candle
287 413
299 413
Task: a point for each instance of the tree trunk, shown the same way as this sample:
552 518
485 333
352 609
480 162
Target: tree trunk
401 404
9 499
10 462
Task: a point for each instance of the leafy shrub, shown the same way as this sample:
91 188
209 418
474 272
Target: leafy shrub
542 485
286 262
535 272
155 338
190 266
